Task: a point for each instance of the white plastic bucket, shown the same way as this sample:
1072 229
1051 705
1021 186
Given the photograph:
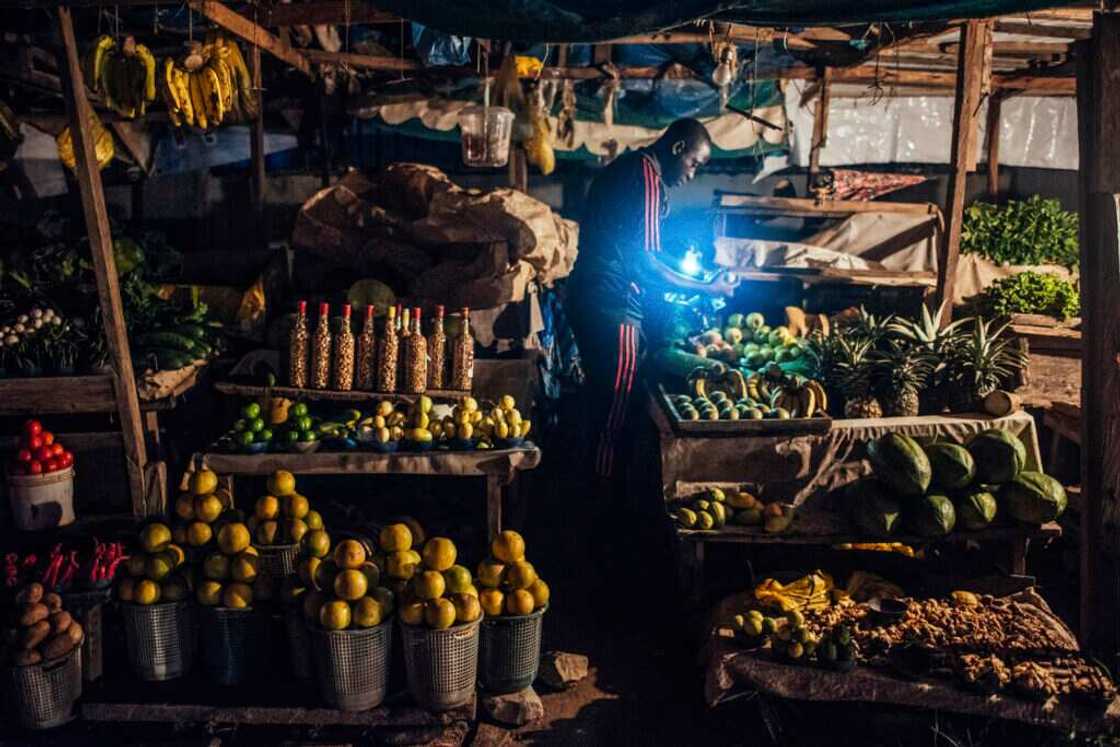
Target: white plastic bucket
42 501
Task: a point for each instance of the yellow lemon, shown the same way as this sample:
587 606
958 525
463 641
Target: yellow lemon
421 421
412 613
541 593
295 506
244 568
155 537
136 565
349 554
424 403
467 608
414 528
324 575
267 532
198 534
209 593
372 574
470 404
215 566
508 546
472 590
146 591
159 566
335 615
250 550
184 506
401 565
507 402
519 602
313 602
490 573
174 589
237 596
233 538
492 601
295 529
429 585
203 482
439 553
306 570
457 578
283 483
126 589
439 614
384 408
367 612
317 543
519 575
313 520
267 508
350 585
385 598
207 508
395 538
176 554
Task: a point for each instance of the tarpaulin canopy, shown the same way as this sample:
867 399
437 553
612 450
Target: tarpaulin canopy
596 20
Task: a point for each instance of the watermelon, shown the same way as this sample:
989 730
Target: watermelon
871 508
976 509
900 463
999 456
1033 498
952 465
931 515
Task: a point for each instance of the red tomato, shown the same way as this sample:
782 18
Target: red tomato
24 455
32 427
51 465
57 449
34 467
34 442
43 453
48 438
66 460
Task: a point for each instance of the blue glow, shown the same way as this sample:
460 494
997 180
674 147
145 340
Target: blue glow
690 265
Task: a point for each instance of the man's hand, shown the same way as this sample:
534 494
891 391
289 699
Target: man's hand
725 283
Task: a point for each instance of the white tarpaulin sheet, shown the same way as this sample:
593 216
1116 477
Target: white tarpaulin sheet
1035 131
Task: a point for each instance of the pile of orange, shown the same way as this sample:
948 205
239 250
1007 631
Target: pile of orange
156 571
510 584
283 516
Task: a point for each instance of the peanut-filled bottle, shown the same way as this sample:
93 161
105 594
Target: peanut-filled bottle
462 355
416 357
437 352
343 379
299 342
388 354
321 350
367 353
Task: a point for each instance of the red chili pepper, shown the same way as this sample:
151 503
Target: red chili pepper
111 571
50 575
30 560
71 570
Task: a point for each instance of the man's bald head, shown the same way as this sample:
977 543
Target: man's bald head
683 148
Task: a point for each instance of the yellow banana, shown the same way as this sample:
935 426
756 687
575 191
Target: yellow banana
183 94
149 61
819 393
198 99
168 91
225 79
95 61
213 90
249 101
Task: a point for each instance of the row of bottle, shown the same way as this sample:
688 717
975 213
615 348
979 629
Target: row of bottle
400 359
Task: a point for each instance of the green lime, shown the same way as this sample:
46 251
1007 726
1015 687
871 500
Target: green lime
291 436
299 409
264 435
245 438
307 436
256 424
251 411
239 425
303 423
270 379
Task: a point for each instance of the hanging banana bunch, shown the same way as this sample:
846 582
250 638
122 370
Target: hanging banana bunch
124 75
538 146
210 86
103 146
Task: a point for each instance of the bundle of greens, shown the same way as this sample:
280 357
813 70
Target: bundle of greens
1032 293
1021 232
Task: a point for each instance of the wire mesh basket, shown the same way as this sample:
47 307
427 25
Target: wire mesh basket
352 666
86 607
510 652
232 640
299 643
42 696
441 665
161 639
278 561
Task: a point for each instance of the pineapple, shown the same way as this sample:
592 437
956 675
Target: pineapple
864 325
979 363
853 373
927 333
901 370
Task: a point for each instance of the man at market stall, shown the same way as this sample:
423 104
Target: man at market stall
621 275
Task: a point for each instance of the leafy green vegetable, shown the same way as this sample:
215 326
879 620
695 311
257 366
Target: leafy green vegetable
1022 232
1033 293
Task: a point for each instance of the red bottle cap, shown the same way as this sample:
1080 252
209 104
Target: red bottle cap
416 312
324 309
345 311
439 310
302 308
369 311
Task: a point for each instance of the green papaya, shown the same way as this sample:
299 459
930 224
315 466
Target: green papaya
899 462
871 508
998 454
952 466
931 515
1033 498
976 509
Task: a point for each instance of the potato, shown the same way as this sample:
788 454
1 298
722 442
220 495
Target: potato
75 632
31 613
26 658
53 602
60 621
34 635
30 594
58 646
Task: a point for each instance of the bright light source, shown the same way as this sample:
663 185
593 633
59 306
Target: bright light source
690 265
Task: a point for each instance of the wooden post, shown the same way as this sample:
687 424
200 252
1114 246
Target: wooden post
1098 115
969 78
995 107
256 152
820 123
104 267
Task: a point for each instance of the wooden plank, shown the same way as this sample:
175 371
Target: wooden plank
733 534
820 123
241 26
323 11
371 62
501 462
184 713
250 390
1039 29
806 206
104 266
995 108
969 73
57 395
256 151
982 92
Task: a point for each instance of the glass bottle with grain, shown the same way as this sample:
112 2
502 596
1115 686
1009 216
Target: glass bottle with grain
321 350
342 379
367 353
416 358
462 355
437 352
388 353
299 342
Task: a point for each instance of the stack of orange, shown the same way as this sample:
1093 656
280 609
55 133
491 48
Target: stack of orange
157 572
340 589
283 516
510 582
438 593
198 509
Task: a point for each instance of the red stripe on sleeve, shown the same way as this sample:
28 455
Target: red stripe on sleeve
652 207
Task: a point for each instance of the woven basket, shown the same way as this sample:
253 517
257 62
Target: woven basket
161 639
278 561
352 666
299 643
42 696
441 665
232 640
510 652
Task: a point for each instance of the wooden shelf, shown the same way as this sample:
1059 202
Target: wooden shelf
66 395
250 390
756 536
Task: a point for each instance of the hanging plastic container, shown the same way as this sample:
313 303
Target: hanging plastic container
485 135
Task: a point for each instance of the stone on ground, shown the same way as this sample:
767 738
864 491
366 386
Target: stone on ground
514 709
560 670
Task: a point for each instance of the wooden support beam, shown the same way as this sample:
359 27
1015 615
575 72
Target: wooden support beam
104 267
323 11
256 151
1039 29
820 122
969 75
995 109
241 26
373 62
1098 116
984 90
